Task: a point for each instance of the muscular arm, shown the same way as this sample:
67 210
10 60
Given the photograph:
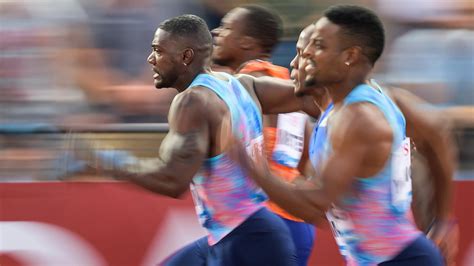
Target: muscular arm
181 153
345 163
431 133
278 96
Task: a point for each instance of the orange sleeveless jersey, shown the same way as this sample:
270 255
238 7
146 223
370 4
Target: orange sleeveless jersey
269 134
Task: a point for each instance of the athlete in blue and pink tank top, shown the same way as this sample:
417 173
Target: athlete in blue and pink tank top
223 194
230 206
373 223
210 110
364 185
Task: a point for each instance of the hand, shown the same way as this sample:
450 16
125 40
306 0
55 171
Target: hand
256 167
78 158
445 234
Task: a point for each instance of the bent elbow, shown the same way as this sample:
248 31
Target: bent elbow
171 190
176 192
315 215
317 219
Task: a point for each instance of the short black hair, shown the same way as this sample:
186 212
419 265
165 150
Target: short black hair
264 25
362 25
190 26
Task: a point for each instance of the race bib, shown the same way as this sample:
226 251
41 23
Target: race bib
203 216
342 228
401 187
255 147
290 139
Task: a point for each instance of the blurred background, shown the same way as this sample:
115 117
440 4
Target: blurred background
80 66
73 64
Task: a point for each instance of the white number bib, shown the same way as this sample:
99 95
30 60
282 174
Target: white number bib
401 176
255 147
290 139
342 227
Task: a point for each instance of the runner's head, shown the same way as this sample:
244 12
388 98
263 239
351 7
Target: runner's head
298 64
245 31
347 38
181 48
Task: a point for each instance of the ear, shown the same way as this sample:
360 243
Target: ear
188 56
247 42
352 55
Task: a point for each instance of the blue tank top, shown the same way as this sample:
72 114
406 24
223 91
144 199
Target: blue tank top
223 194
373 222
319 137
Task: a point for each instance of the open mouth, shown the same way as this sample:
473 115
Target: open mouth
310 67
216 41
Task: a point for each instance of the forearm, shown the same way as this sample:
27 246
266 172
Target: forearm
291 103
155 182
149 173
431 132
437 147
278 96
299 180
305 167
294 198
441 167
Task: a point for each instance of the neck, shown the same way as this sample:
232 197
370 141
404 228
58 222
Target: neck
322 100
355 77
339 91
187 77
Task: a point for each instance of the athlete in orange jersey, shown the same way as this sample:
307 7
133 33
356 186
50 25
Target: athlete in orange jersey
244 43
276 133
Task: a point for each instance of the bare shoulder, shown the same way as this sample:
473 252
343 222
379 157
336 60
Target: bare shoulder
362 136
246 80
365 121
194 98
422 118
189 107
401 96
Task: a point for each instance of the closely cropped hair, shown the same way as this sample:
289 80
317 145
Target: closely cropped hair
362 25
188 26
264 25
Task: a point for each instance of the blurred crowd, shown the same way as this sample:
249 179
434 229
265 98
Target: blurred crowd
75 62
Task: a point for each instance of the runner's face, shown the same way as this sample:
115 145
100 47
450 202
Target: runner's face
227 37
164 59
298 64
323 57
